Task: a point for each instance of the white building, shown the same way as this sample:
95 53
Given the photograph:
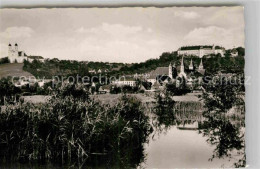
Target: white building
14 55
201 51
125 81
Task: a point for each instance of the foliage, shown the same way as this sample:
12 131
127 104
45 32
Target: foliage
115 89
124 89
75 130
220 98
223 93
180 90
224 135
164 108
54 67
4 60
7 90
147 85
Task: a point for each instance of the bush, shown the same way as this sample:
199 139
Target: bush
4 60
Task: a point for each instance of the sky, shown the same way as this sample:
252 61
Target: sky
129 35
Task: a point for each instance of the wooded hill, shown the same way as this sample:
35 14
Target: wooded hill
212 64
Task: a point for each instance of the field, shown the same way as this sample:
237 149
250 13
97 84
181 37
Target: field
112 98
13 69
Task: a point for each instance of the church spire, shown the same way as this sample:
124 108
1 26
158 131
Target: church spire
191 65
201 64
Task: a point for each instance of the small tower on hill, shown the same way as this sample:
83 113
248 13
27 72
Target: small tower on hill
16 47
201 65
191 65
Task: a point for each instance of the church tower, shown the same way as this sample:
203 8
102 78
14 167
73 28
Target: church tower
16 47
9 50
201 65
191 65
182 73
201 68
170 70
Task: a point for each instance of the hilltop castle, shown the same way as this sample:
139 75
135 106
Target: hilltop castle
16 56
201 51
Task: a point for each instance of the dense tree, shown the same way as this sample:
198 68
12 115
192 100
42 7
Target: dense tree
220 97
4 60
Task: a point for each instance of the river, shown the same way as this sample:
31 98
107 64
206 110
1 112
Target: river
181 149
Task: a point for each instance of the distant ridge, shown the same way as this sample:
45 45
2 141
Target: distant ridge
14 69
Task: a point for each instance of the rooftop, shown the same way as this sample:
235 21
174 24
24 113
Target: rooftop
35 57
199 47
159 71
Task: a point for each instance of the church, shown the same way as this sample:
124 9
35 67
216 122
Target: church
172 72
14 55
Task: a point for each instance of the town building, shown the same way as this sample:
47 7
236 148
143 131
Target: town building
14 55
201 51
164 75
125 81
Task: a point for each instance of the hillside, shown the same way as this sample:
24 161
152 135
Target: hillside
214 64
14 69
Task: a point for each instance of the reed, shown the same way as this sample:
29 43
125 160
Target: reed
74 131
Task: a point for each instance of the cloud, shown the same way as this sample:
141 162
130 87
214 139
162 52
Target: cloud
16 32
186 15
130 49
118 42
111 29
3 50
215 35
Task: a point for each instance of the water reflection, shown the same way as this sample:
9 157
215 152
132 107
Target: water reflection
187 137
184 135
227 135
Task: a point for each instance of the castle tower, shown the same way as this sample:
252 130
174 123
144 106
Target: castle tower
16 47
170 70
201 65
9 49
191 65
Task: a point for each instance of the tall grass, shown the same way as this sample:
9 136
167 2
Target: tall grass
74 130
